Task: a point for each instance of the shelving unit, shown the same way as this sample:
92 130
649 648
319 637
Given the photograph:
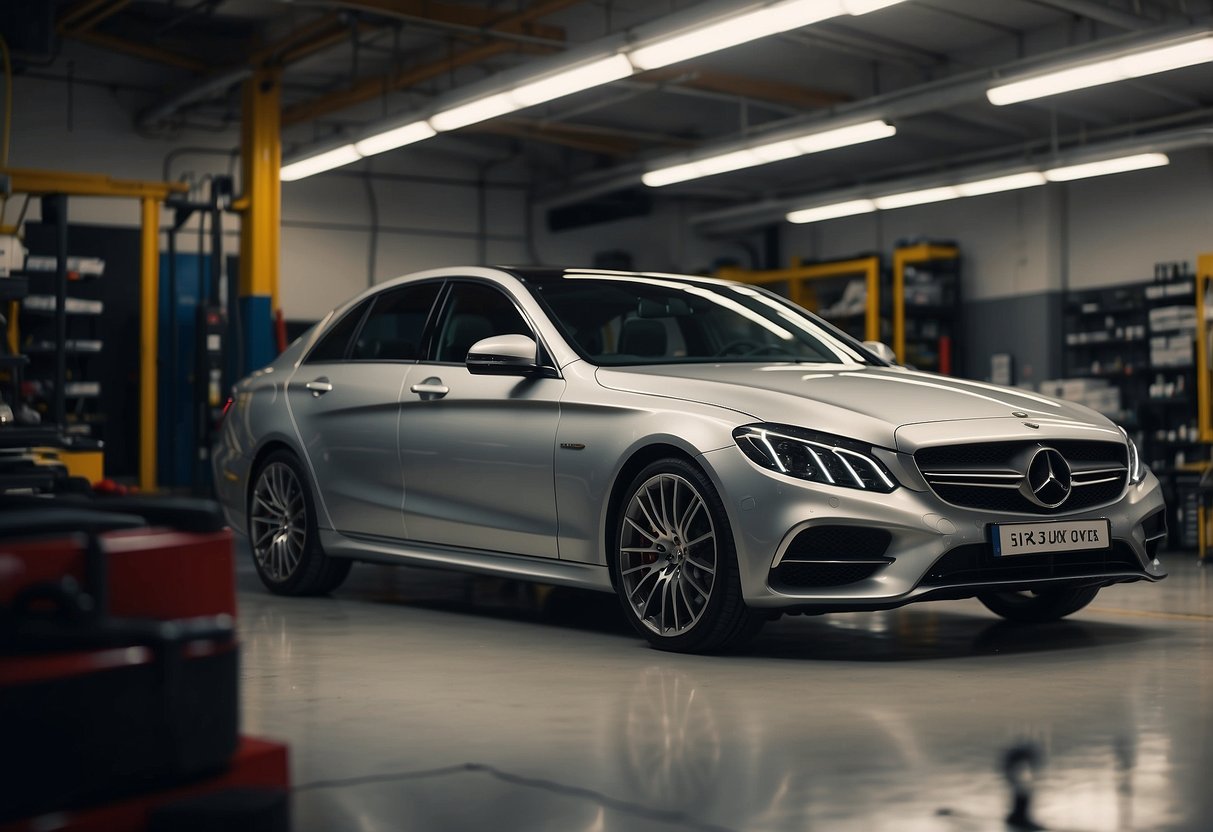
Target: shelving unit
926 307
13 290
1136 346
1106 340
844 292
58 331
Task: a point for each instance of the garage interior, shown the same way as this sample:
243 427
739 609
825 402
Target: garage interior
1017 192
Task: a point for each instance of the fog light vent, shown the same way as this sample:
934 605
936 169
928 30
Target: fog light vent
832 543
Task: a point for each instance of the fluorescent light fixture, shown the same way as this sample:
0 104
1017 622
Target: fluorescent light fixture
481 109
776 151
670 175
909 198
576 79
998 184
392 139
726 162
762 154
319 163
1140 161
830 212
1106 71
842 137
858 7
734 30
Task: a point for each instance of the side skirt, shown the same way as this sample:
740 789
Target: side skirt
542 570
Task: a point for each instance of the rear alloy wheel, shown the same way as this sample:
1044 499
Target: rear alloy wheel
675 562
282 532
1036 607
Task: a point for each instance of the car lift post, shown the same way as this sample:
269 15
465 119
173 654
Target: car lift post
261 157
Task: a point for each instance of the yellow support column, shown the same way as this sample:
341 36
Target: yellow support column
1204 274
261 151
149 309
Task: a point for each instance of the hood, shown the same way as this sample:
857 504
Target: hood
854 400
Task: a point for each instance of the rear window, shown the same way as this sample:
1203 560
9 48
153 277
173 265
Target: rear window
334 345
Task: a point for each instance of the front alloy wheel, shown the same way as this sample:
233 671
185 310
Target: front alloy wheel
676 563
282 531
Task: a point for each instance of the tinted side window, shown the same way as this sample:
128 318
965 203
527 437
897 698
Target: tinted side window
474 312
334 344
394 328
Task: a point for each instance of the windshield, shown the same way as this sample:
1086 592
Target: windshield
618 320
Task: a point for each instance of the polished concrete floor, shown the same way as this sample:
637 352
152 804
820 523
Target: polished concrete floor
417 700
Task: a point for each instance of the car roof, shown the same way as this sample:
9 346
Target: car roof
554 274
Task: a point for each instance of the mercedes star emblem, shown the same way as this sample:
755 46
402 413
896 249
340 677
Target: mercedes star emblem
1046 481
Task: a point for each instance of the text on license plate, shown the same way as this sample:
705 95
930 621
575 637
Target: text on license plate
1054 536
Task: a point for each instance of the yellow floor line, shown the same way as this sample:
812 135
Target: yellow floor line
1178 616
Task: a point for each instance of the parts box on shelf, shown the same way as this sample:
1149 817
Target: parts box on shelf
925 307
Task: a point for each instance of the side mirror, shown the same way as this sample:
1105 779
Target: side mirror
882 350
503 355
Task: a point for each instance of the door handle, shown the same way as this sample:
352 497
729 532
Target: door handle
319 387
431 388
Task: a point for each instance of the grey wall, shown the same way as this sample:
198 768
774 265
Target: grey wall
1029 327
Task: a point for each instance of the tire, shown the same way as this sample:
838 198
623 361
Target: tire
674 562
282 531
1039 607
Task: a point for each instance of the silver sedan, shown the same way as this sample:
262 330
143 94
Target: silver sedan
708 451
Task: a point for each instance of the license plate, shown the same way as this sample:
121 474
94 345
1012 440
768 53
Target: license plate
1053 536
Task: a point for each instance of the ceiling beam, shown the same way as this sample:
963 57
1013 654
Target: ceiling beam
474 20
368 89
302 41
1100 12
313 36
741 86
141 50
86 14
602 140
867 47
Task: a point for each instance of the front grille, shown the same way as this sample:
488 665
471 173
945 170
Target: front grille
802 575
987 476
976 563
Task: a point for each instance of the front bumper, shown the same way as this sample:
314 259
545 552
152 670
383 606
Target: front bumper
768 510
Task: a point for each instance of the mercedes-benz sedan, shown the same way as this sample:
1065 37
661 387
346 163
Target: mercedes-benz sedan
710 452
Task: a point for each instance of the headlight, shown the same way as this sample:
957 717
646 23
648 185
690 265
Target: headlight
1137 470
817 457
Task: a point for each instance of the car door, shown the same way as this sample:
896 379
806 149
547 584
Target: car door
477 450
345 399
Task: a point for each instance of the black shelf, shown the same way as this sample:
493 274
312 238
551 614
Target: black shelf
13 288
25 436
1105 311
1135 371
